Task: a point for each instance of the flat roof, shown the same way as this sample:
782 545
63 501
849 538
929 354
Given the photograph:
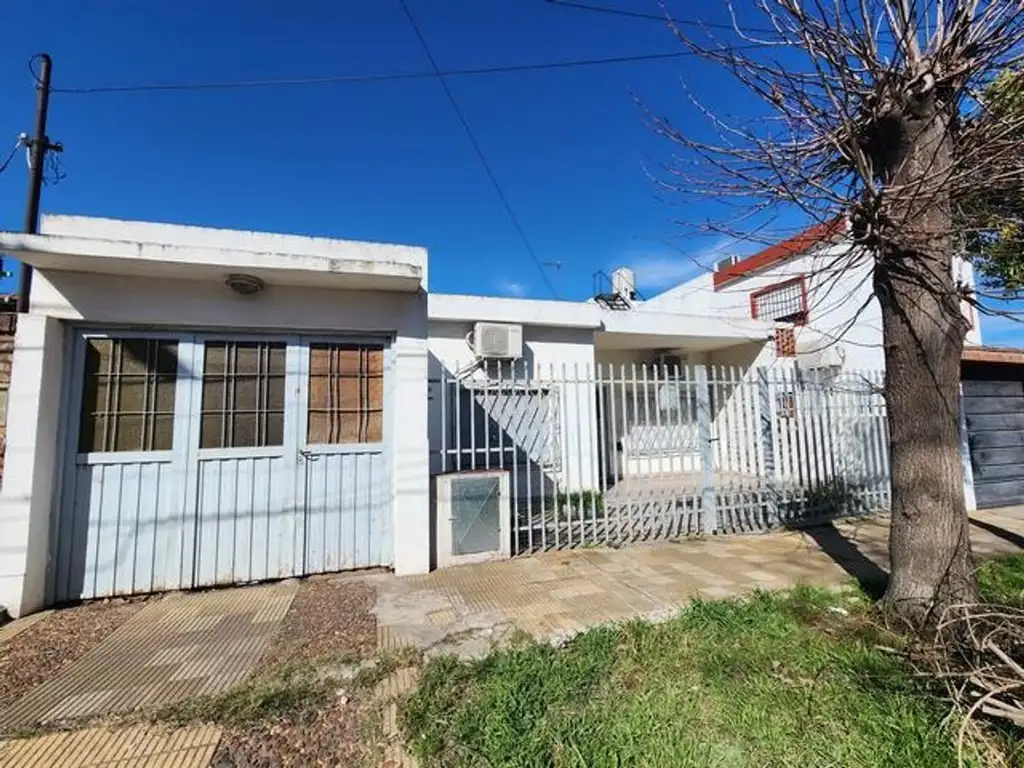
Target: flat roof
999 355
453 307
146 249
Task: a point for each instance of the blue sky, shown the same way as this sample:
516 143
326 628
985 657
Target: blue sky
374 161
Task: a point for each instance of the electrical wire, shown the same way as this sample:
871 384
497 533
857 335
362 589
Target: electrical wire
14 150
665 18
379 78
479 151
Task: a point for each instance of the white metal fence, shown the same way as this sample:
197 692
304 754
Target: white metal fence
606 455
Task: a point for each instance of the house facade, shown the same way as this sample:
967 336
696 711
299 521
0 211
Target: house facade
192 407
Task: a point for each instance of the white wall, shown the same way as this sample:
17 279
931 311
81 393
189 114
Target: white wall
127 301
549 354
30 471
842 310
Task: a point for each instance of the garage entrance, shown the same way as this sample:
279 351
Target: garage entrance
994 413
196 460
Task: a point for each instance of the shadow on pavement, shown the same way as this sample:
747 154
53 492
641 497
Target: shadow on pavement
1008 536
871 577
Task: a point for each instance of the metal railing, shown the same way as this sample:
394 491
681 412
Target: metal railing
611 454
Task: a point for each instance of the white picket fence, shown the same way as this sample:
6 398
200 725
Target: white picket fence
606 455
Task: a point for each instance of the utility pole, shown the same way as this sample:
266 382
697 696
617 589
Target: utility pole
38 145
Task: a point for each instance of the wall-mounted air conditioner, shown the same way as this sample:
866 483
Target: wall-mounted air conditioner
498 341
474 520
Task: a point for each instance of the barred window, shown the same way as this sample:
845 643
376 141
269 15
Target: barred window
782 302
243 394
128 395
346 394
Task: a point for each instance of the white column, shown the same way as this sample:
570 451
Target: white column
30 470
411 518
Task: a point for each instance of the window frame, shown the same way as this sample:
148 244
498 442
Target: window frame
199 375
804 313
303 343
71 402
191 354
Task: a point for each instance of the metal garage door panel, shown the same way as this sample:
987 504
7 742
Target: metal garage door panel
994 413
138 522
123 526
345 472
127 533
248 521
347 511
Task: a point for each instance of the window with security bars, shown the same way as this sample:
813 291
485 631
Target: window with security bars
346 394
128 395
243 394
783 302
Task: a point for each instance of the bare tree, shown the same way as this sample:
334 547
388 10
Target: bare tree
872 112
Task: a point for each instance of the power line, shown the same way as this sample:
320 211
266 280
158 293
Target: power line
664 18
14 150
378 78
479 151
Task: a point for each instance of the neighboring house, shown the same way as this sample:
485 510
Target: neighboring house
814 283
192 407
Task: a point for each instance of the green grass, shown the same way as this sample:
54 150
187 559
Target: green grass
1002 581
290 691
773 680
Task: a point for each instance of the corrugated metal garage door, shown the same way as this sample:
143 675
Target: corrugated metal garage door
196 460
994 412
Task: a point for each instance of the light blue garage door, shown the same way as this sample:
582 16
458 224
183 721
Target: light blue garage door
198 460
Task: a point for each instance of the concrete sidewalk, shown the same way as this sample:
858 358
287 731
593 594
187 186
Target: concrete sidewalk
465 609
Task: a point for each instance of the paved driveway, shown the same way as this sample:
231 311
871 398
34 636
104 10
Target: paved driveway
173 649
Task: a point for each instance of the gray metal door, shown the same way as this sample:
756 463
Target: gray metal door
994 413
121 528
196 460
343 461
242 447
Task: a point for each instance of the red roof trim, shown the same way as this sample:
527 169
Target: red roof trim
773 254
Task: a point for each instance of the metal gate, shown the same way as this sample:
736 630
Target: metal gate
612 454
195 460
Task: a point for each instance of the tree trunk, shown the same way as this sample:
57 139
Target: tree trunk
923 331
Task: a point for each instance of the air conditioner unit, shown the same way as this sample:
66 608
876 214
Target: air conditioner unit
498 341
725 263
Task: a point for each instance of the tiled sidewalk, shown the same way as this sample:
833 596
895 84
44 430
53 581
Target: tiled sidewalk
557 594
138 747
173 649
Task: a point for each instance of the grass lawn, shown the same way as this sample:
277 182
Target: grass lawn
777 679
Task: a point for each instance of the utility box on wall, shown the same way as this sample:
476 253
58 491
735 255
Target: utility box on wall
474 521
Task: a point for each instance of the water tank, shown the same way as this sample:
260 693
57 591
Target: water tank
624 283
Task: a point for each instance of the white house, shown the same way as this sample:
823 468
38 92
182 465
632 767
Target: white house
814 282
192 407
